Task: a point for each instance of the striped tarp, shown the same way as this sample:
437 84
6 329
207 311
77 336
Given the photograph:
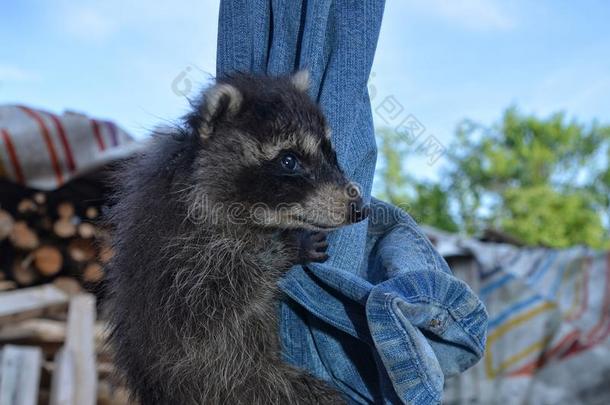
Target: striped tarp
43 150
549 323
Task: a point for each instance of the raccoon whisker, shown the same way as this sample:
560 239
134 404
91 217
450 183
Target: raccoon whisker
324 227
182 190
316 225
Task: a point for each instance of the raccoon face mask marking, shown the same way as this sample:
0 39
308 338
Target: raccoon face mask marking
268 147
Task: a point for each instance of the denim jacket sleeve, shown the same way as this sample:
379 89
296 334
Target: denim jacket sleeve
392 336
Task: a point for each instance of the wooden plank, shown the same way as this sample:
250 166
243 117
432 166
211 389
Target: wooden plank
30 302
63 384
36 330
6 285
20 375
80 341
40 331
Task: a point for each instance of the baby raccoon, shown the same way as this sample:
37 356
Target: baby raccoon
206 221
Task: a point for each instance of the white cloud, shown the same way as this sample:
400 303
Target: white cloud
476 15
17 74
89 23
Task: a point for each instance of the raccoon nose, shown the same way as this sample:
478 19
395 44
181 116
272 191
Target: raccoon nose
358 211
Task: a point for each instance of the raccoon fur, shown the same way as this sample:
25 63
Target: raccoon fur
206 220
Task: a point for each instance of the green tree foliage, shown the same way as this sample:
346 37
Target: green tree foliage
545 181
427 202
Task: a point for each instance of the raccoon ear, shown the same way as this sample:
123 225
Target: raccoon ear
301 80
220 101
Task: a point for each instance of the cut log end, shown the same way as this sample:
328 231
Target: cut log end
64 228
6 224
92 212
68 285
24 272
81 250
86 230
48 260
26 206
40 198
93 273
22 237
65 210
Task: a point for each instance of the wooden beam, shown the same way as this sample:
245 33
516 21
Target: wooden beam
38 331
30 302
7 285
20 375
63 384
80 342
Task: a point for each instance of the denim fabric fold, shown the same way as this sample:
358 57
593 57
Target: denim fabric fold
421 323
383 320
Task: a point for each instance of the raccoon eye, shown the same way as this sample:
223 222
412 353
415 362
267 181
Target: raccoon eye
289 162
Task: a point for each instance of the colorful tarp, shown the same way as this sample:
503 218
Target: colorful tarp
549 323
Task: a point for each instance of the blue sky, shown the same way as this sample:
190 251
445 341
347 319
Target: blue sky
442 61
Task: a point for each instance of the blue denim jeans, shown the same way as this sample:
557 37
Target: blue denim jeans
383 319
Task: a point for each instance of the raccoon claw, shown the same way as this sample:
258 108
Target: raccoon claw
312 247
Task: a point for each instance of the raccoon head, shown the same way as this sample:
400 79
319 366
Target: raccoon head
266 156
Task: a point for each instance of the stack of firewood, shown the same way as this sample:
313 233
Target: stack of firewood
44 238
53 248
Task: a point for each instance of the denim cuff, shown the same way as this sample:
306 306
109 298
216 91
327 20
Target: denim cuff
419 323
425 327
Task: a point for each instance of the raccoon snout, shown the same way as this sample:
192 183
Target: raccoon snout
358 211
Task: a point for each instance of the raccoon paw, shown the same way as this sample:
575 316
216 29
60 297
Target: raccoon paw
312 247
